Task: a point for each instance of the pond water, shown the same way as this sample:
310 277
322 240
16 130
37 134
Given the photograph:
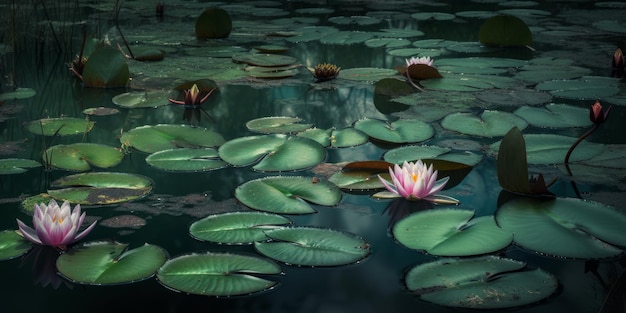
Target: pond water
563 37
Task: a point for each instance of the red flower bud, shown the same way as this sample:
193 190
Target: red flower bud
597 114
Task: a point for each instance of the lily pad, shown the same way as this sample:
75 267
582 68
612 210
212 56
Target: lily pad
12 245
186 160
275 152
236 227
555 116
361 175
110 263
583 88
100 188
551 149
106 67
260 59
308 246
413 153
287 194
367 73
160 137
438 16
488 282
16 166
400 131
505 30
142 99
62 126
565 227
461 82
345 37
451 232
82 156
489 124
277 124
336 138
19 93
218 274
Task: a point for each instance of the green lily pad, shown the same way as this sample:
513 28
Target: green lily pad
555 116
277 124
308 246
514 97
354 20
272 72
160 137
106 67
413 153
12 245
216 52
336 138
142 99
186 160
367 73
147 53
82 156
346 37
62 126
100 188
110 263
361 175
551 149
438 16
505 30
489 124
218 274
236 227
19 93
28 204
451 232
565 227
387 42
461 82
16 166
488 282
287 194
275 152
260 59
400 131
583 88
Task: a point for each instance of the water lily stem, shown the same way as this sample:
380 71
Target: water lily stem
411 81
569 152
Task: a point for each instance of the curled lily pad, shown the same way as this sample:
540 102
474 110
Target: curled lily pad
12 245
155 138
110 263
490 124
186 159
218 274
236 227
310 246
16 166
277 124
61 126
82 156
400 131
287 194
336 138
564 227
142 99
488 282
100 188
276 152
106 67
451 232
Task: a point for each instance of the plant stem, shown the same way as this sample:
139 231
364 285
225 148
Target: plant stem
411 81
569 152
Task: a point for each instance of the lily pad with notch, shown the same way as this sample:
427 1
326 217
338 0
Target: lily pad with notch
310 246
186 160
82 156
61 126
16 166
277 125
110 263
236 227
489 124
336 138
160 137
555 116
361 175
398 132
287 194
97 188
218 274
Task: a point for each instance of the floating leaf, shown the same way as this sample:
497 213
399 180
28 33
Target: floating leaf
61 126
160 137
345 37
584 88
451 232
400 131
555 116
213 23
186 160
336 138
259 59
488 282
100 188
218 274
16 166
413 153
367 73
505 30
12 245
19 93
565 227
236 227
438 16
277 124
147 53
82 156
551 149
310 246
142 99
387 42
106 67
276 152
460 82
514 97
287 194
110 263
489 124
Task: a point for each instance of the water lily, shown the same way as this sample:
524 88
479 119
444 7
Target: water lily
597 114
415 181
55 226
423 60
325 71
192 97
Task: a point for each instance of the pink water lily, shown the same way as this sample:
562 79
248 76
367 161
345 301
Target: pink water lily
423 60
416 181
597 114
192 97
55 226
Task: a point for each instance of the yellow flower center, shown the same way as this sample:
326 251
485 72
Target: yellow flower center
414 177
